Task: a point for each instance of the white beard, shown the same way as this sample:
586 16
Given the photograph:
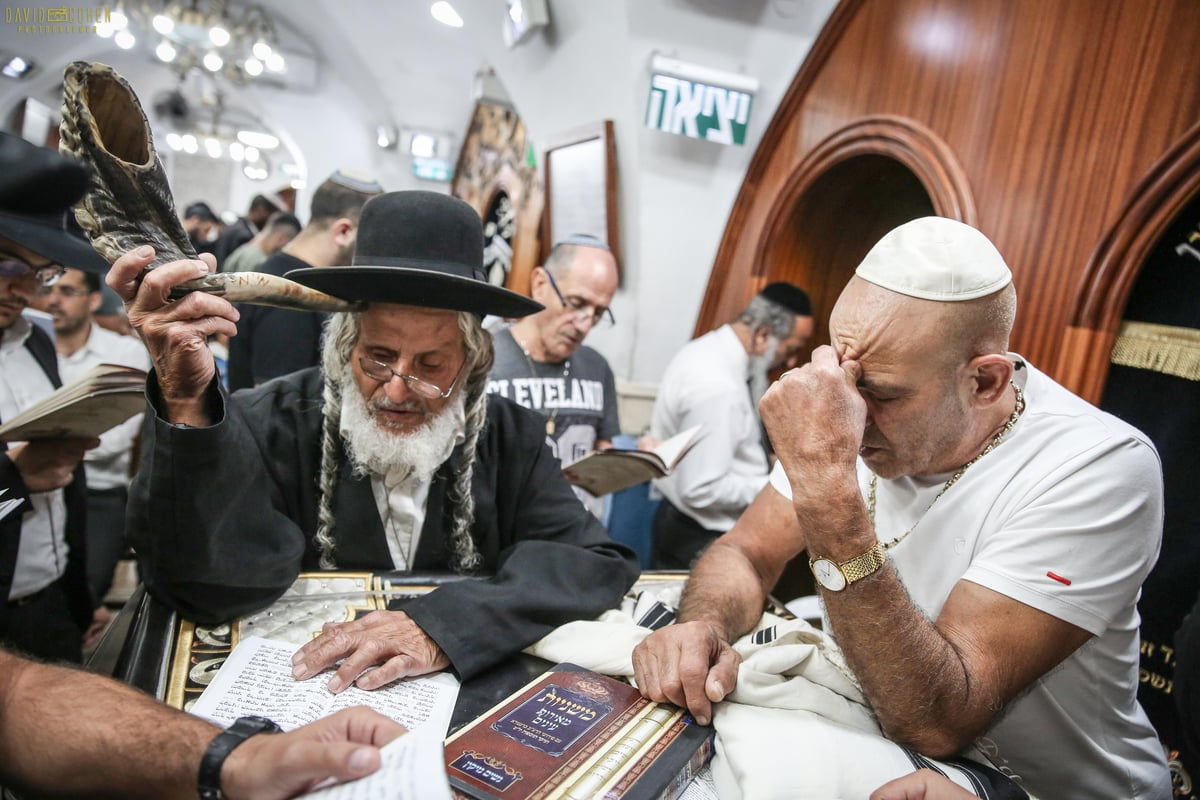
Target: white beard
759 368
393 455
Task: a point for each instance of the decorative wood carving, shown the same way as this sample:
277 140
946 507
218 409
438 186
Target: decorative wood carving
493 163
1065 130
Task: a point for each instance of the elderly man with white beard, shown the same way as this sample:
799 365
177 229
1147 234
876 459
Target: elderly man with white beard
390 456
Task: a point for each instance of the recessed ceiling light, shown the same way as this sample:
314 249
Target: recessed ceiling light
444 13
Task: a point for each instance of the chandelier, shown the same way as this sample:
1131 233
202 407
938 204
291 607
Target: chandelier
224 134
237 44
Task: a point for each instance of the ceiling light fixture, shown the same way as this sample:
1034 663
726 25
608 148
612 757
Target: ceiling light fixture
238 44
16 67
444 13
263 141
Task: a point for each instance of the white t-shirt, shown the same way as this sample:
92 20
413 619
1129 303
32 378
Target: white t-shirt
1065 516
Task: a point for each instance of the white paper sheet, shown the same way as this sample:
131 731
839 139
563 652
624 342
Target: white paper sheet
413 769
257 679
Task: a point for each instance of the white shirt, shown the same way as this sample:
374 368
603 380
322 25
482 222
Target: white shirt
705 384
107 466
1065 516
42 552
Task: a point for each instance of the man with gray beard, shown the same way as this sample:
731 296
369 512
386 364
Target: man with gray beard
390 456
715 381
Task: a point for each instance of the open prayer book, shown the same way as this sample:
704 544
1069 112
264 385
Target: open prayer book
257 679
104 397
605 471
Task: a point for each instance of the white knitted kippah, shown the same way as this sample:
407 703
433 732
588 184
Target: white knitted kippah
935 258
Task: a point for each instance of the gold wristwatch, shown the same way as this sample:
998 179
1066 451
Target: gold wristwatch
836 577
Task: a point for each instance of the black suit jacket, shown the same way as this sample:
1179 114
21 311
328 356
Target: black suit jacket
75 495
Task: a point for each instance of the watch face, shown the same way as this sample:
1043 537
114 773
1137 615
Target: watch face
828 575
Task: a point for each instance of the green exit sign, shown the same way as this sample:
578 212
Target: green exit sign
431 169
698 110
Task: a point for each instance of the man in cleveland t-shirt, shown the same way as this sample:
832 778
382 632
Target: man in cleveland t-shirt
542 363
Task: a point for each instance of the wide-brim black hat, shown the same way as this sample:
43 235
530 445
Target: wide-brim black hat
40 185
418 249
49 236
37 180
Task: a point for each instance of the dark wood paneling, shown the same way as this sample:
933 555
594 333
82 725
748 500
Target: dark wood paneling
1058 112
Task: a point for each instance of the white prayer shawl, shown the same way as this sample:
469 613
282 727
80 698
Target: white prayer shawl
796 725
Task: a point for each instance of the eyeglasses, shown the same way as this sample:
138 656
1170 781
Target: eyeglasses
599 315
65 291
378 371
13 267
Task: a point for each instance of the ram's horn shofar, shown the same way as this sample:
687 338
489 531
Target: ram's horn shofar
128 202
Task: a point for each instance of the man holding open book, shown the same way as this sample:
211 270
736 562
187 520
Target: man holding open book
45 605
83 344
542 362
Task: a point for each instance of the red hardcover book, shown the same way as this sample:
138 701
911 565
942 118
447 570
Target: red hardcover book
573 733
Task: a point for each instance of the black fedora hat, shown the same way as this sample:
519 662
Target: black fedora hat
50 236
418 249
37 180
37 186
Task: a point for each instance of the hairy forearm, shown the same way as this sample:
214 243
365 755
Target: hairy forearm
918 684
725 591
69 733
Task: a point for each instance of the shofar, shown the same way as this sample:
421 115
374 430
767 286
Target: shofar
128 202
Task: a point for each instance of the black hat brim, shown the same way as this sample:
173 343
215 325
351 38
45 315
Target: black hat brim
35 180
415 287
47 237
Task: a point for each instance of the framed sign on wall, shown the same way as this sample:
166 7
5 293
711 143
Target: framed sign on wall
581 188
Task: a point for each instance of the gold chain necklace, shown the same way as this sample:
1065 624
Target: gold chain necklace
550 426
1008 426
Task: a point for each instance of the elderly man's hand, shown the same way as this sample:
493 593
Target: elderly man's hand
174 331
389 639
344 746
49 464
687 664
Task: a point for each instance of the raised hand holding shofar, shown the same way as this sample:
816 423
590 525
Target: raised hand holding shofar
128 202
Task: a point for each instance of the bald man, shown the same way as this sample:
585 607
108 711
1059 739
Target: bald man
978 533
542 362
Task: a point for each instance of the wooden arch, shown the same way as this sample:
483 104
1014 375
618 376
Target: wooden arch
841 185
1060 115
1118 259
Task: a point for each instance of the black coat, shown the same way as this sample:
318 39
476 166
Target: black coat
223 520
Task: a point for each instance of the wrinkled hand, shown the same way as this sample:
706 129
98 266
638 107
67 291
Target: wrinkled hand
388 638
344 746
815 414
687 664
174 331
49 464
923 784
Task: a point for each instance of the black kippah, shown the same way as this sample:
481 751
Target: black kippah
788 295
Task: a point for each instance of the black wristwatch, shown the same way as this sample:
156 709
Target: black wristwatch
220 748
